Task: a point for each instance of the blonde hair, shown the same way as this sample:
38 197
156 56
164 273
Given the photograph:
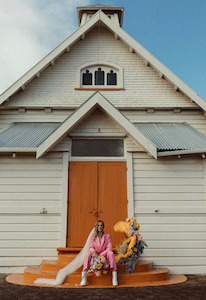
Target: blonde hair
96 229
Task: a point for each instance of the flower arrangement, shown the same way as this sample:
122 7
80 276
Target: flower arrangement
98 265
130 249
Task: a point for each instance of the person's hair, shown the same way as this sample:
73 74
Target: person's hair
96 229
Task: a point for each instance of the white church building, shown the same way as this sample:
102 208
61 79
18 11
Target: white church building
100 129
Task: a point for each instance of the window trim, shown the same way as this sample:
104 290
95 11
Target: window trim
98 158
95 139
97 64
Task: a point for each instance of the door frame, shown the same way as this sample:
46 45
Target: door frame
65 185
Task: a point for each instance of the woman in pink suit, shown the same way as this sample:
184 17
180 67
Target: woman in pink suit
100 244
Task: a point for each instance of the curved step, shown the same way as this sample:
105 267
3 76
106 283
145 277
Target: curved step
141 266
153 275
174 279
65 258
31 274
55 266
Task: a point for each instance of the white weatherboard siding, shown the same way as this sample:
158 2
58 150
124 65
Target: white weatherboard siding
26 186
99 124
176 233
143 86
8 117
96 123
194 118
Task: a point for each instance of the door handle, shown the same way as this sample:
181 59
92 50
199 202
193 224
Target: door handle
96 214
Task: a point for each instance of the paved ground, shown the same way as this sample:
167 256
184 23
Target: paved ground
193 289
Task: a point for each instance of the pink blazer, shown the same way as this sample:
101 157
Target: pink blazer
101 248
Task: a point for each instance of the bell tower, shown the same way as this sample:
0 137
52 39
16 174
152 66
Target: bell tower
86 12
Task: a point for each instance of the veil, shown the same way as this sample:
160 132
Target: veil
76 263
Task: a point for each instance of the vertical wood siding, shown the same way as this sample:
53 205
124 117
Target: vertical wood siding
26 186
175 189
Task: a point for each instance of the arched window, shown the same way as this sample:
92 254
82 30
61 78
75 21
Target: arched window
111 78
87 78
100 76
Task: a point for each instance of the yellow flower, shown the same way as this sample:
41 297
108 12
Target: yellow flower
104 272
135 249
99 266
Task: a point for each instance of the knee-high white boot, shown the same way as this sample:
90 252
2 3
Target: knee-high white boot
84 278
114 278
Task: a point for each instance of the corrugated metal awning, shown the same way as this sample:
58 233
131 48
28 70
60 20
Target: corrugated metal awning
173 136
26 135
169 138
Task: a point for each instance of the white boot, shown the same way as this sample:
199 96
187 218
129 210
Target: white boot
114 278
84 278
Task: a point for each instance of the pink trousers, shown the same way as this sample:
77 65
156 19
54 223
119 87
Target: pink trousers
109 256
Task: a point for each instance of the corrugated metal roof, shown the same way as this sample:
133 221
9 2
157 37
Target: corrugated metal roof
166 136
173 136
26 135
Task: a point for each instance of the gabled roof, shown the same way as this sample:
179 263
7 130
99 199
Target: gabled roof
96 100
118 32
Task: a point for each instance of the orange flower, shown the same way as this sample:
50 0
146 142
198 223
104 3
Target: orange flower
99 266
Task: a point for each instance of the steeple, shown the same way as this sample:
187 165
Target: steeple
113 12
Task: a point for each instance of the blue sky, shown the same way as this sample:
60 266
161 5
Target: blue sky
174 31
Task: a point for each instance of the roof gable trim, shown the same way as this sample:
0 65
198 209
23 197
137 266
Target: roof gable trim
126 38
51 57
96 100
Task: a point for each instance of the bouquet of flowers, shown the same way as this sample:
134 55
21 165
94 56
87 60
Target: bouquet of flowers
98 265
132 247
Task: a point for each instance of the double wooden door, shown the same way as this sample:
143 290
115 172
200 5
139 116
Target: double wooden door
97 190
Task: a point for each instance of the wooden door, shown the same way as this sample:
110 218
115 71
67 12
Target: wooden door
112 204
97 190
82 202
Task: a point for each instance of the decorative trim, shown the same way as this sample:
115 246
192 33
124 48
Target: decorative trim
100 89
97 135
96 100
97 63
180 152
130 192
100 16
64 206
